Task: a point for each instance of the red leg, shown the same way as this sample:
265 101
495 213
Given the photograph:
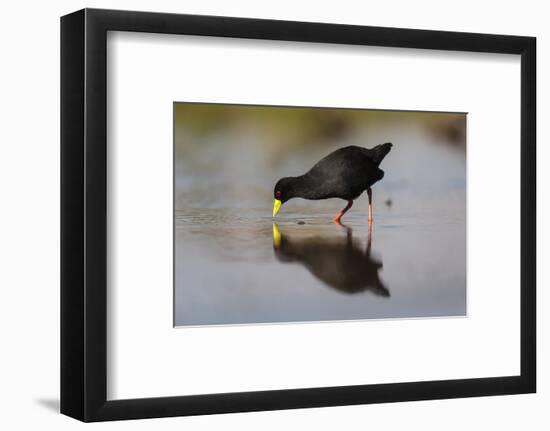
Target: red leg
369 193
341 213
369 239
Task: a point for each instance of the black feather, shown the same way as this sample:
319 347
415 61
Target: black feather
344 173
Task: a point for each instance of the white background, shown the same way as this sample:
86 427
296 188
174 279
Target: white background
29 174
146 73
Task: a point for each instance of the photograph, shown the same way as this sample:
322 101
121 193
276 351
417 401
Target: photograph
287 214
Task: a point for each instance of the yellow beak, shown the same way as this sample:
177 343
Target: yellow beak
276 236
276 206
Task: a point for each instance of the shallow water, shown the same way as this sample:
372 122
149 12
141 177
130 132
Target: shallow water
307 268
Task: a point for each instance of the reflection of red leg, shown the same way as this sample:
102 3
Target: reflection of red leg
341 213
369 193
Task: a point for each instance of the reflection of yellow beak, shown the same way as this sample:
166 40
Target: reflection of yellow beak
276 236
276 205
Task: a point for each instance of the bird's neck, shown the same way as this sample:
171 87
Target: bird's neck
304 187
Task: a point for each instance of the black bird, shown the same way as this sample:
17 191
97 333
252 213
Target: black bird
345 173
339 262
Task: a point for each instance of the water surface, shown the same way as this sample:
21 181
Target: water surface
232 269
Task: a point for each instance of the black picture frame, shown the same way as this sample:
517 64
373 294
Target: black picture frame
84 214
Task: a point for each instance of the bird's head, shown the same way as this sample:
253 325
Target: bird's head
284 190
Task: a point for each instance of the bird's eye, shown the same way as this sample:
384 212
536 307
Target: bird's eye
277 194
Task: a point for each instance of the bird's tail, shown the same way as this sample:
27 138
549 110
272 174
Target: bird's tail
378 153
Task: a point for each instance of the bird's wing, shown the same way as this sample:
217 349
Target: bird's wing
345 173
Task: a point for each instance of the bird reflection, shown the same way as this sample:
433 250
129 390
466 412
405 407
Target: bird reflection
339 262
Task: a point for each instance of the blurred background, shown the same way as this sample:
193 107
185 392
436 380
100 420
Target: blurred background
234 265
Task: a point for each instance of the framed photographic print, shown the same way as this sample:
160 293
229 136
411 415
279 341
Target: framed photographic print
262 215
